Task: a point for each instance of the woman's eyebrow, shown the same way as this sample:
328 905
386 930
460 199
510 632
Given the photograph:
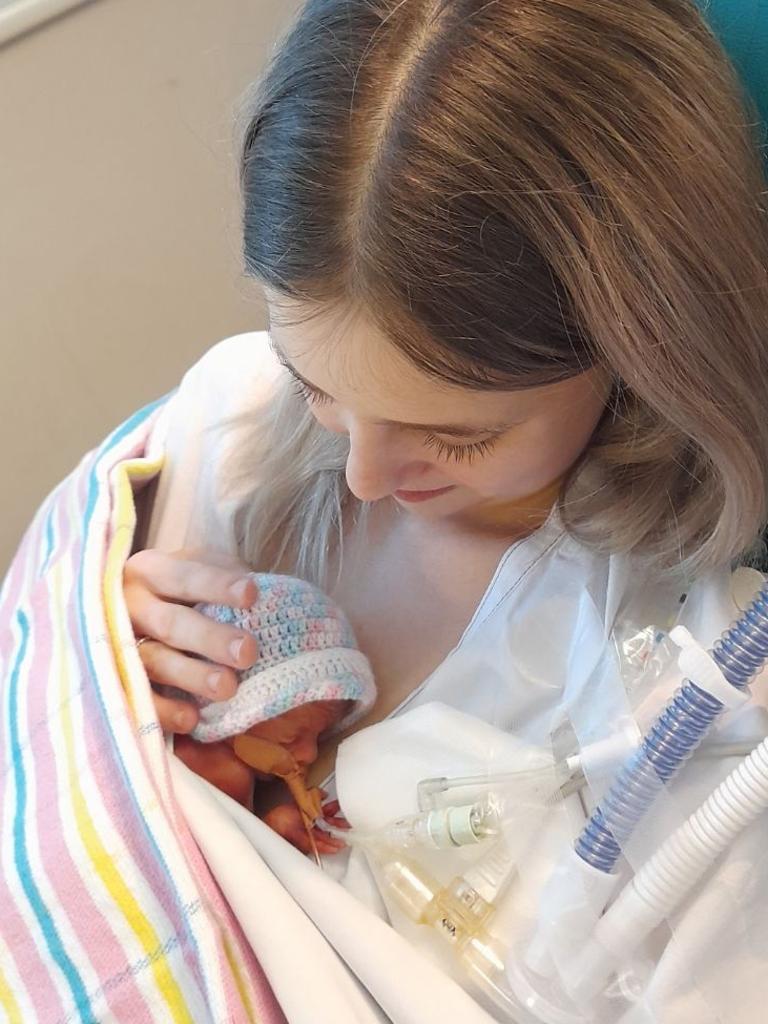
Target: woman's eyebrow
451 429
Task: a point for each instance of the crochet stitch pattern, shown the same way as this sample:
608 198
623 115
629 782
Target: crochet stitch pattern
307 652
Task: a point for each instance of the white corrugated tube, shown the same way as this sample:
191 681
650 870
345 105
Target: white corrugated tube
668 876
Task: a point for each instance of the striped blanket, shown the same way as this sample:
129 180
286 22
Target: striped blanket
108 911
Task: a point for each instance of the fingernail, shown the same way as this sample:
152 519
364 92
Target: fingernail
236 648
214 681
238 590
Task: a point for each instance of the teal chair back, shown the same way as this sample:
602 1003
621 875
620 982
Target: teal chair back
742 28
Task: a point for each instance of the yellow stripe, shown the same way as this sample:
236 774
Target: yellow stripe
123 525
101 860
8 1002
239 980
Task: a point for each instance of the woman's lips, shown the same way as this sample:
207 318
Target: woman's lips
422 495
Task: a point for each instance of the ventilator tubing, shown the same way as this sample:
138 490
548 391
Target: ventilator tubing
736 658
670 874
563 944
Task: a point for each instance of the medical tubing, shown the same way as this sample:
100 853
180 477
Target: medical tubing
681 861
670 873
739 654
443 828
743 649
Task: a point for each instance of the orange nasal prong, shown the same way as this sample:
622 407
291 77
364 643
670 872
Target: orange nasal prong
264 756
309 802
272 759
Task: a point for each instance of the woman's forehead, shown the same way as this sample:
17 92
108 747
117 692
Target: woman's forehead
338 342
344 355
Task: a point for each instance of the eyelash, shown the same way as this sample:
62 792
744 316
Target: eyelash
314 397
458 452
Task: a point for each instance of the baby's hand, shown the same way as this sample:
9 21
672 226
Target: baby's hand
286 820
218 763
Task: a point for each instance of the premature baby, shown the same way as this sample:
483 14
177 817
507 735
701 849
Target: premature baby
309 680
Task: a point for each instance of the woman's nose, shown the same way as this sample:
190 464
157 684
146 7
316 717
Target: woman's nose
374 464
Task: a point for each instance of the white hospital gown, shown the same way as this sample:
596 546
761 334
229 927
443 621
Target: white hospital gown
537 656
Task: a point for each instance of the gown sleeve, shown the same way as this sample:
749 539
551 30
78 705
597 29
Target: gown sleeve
190 506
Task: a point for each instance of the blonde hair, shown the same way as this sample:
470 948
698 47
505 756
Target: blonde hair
514 192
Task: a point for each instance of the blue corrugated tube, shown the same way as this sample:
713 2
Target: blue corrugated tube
740 653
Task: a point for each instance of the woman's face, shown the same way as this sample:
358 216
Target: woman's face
437 449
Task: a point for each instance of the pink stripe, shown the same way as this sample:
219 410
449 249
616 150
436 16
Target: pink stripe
261 996
30 553
99 740
42 994
89 922
266 1007
23 944
128 823
105 762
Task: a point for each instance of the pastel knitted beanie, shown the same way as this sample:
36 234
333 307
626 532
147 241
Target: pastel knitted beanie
307 652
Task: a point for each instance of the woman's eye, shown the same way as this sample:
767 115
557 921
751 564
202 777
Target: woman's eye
460 452
309 394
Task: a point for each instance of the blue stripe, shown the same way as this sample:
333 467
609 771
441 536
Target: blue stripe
20 852
125 428
48 539
129 796
130 424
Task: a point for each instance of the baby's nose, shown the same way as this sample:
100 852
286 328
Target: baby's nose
304 749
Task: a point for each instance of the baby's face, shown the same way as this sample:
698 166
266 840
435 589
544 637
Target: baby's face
299 729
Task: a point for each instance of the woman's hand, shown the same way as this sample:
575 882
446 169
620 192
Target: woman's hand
159 592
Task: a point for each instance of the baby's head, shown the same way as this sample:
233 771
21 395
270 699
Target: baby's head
309 677
299 730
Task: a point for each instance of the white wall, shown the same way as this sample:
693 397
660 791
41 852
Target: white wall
119 219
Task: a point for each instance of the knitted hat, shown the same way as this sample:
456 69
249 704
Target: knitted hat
307 652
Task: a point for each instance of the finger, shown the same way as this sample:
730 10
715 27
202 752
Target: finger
337 820
190 581
331 808
322 834
340 823
326 843
175 715
331 814
327 851
297 837
185 629
165 665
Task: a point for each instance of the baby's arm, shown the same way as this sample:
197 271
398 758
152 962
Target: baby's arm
285 819
219 765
